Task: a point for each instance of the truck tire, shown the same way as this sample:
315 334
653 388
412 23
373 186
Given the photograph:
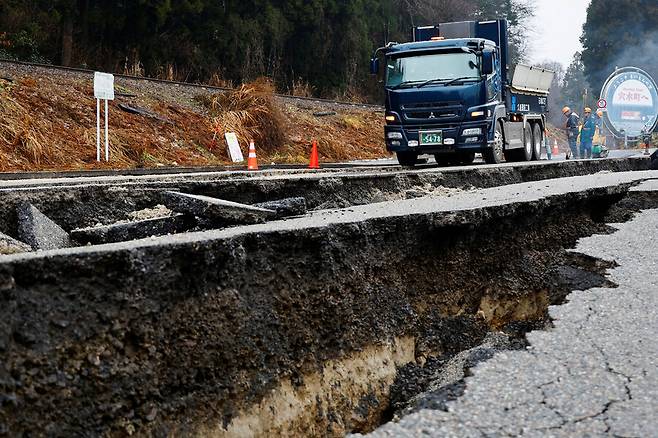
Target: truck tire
528 144
538 141
406 158
494 154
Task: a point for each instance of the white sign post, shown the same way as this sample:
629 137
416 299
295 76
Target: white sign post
103 89
233 147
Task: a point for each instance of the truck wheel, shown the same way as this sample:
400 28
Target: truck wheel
528 144
538 141
407 158
494 154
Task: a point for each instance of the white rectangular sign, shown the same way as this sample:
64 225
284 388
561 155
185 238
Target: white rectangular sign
103 86
233 147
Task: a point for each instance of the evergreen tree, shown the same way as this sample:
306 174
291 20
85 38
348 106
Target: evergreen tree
324 42
620 33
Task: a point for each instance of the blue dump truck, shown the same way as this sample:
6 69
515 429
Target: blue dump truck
448 93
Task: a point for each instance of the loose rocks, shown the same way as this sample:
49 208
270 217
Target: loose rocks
286 207
9 245
134 230
37 230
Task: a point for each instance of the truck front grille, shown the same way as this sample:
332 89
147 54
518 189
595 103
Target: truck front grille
431 105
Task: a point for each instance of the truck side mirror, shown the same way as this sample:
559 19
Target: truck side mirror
487 62
374 66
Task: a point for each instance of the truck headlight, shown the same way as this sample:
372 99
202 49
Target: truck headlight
394 135
472 131
477 114
391 118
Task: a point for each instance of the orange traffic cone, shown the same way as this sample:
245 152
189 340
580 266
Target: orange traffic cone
315 160
252 161
556 150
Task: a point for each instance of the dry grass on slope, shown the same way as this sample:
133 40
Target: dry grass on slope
48 122
251 112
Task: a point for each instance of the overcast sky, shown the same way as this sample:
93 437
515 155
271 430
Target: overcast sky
556 29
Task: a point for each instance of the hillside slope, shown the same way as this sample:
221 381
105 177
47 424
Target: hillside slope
48 122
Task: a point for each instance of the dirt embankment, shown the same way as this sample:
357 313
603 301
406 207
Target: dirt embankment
48 121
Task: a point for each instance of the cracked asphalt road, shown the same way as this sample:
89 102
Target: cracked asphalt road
594 374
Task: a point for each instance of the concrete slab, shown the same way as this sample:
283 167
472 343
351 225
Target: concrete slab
217 211
9 245
37 230
122 232
286 207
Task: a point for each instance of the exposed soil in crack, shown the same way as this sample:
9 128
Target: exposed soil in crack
433 382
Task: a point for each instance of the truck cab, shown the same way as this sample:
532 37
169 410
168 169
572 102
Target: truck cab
447 94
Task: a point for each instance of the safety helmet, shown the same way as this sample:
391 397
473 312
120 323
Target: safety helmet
599 113
588 110
566 109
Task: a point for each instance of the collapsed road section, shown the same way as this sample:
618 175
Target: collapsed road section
290 327
593 374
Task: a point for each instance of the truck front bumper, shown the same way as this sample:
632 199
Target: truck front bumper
465 137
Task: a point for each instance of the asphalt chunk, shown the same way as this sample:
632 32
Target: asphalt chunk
38 230
216 211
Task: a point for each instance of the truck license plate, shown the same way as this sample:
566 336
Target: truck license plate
428 138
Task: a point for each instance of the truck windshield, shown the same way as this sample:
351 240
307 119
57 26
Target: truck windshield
438 67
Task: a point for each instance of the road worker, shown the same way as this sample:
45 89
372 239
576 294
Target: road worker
587 134
599 120
572 127
598 144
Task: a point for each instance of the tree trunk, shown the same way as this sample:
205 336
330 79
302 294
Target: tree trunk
83 6
67 40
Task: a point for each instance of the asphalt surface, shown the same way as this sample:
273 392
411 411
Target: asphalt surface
382 164
428 160
594 374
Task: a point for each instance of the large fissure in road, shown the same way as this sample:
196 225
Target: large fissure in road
309 327
433 383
